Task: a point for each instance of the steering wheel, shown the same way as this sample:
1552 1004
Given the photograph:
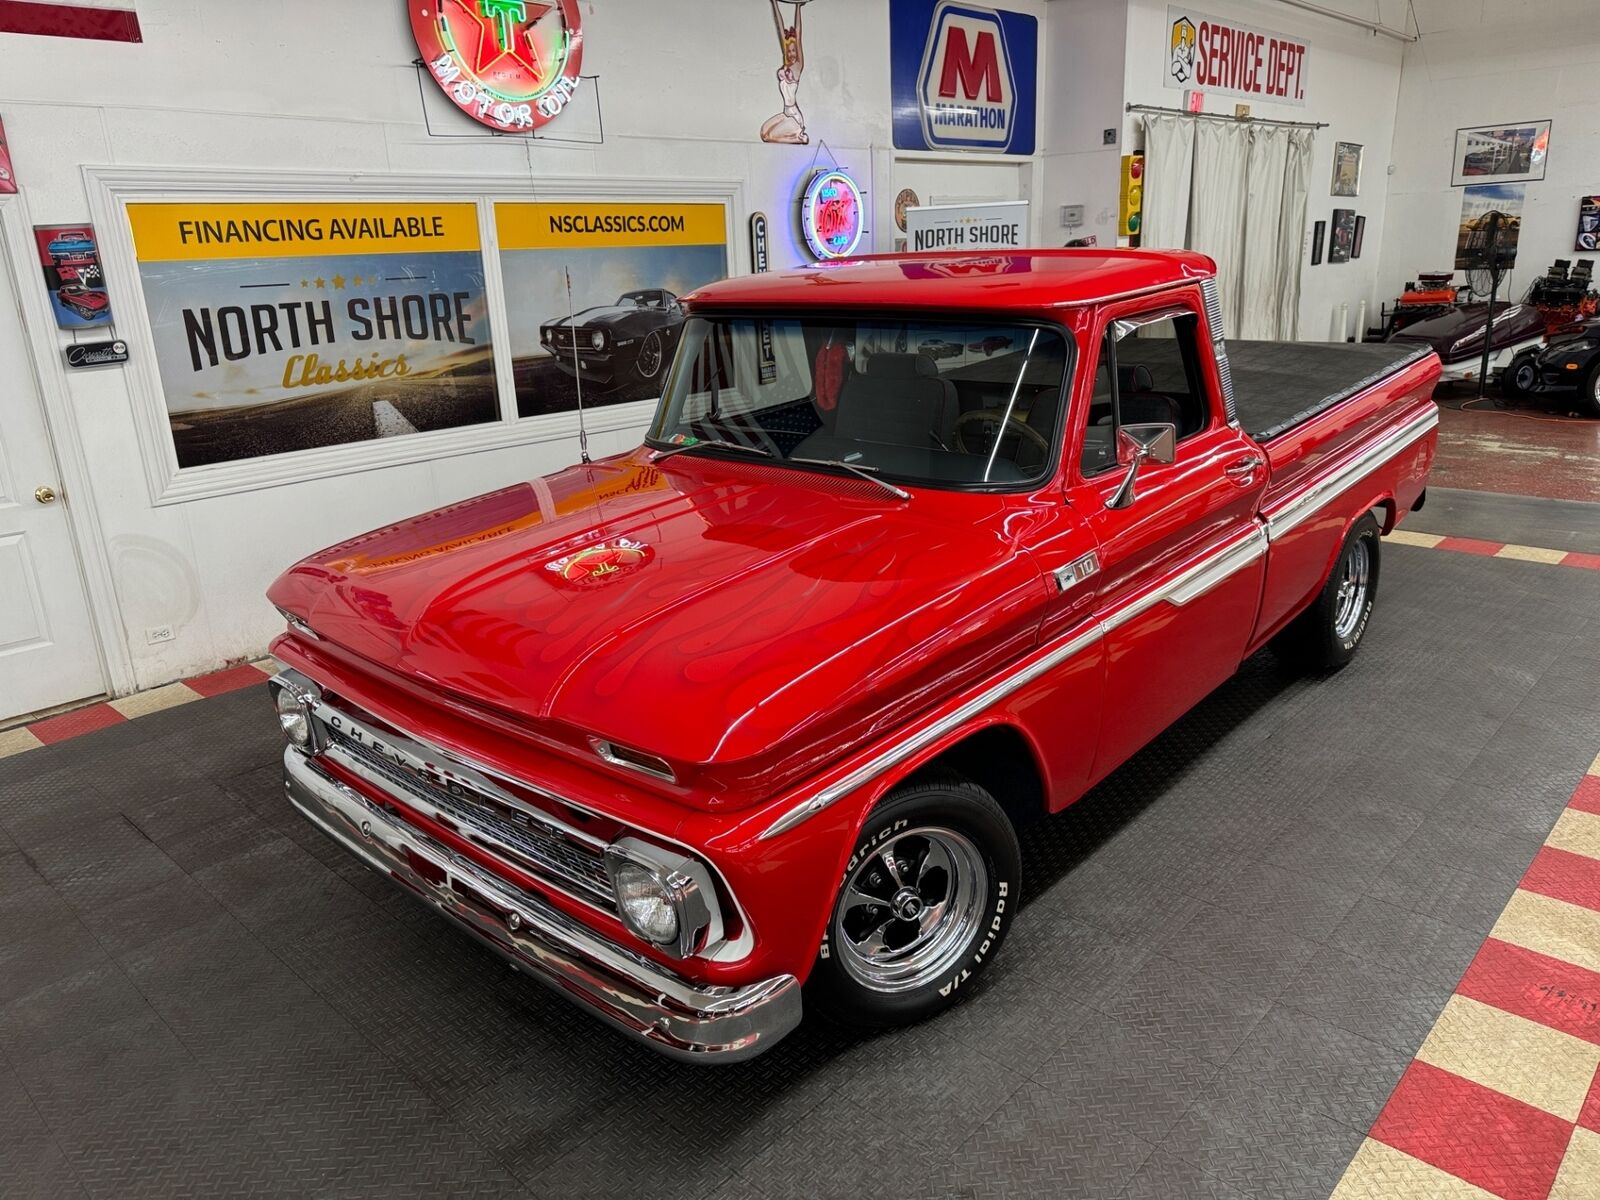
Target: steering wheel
968 420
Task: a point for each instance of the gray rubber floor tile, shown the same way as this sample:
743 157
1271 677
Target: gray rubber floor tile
1390 1005
1072 959
48 805
1304 904
1187 1008
1165 1176
100 865
839 1149
1400 938
1018 1018
43 942
68 1009
1253 954
1311 1064
1247 1136
1349 850
1416 879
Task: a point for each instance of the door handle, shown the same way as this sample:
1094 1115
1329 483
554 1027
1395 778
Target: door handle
44 494
1244 471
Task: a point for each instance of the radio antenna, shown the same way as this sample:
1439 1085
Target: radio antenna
577 367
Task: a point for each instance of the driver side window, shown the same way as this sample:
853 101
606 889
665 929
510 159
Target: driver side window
1155 362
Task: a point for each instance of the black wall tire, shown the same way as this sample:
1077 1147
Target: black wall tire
1327 635
1521 379
1589 397
923 906
652 354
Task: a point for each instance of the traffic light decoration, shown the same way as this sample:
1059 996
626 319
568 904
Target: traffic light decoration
1131 214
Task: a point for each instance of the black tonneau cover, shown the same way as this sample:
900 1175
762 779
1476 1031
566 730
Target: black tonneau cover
1279 385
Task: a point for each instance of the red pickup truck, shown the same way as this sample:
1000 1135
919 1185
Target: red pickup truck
755 710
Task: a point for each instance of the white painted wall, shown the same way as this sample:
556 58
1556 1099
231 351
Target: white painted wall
1084 43
305 85
1352 83
1480 64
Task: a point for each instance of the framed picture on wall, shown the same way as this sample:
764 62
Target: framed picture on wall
1588 224
1346 169
1343 235
1361 233
1501 153
1319 231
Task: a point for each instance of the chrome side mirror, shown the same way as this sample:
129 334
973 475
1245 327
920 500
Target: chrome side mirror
1137 445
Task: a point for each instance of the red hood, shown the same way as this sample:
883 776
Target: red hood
722 614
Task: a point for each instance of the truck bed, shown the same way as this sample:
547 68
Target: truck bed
1280 385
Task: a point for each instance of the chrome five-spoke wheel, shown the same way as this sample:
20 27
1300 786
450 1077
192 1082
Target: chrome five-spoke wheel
911 908
1352 594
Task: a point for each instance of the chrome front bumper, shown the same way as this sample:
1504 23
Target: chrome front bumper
639 997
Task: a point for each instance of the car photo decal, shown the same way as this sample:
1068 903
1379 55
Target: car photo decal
70 259
600 563
629 264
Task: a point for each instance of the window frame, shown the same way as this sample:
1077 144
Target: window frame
1117 329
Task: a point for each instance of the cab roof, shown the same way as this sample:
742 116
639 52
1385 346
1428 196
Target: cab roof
1021 280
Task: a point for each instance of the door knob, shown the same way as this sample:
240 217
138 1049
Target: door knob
44 494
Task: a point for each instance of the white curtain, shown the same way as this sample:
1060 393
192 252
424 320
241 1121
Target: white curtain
1292 231
1168 173
1217 207
1236 191
1261 247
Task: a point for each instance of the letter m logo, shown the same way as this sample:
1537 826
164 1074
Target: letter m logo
966 89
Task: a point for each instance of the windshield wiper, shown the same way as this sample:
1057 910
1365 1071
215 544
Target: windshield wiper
866 473
715 443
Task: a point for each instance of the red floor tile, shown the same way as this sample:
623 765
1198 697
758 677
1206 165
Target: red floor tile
1543 989
1587 797
1574 559
230 680
1499 1144
1565 876
75 723
1470 546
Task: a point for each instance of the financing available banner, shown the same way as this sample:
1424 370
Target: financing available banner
592 295
285 326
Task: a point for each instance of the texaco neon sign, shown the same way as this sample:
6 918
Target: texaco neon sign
510 64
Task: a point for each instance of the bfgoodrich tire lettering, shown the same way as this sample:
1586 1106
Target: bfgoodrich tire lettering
923 905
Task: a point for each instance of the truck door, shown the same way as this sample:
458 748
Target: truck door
1181 554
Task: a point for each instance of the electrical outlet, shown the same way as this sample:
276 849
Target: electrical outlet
1108 137
158 633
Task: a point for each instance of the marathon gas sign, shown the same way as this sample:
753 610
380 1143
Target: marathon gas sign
1213 55
963 77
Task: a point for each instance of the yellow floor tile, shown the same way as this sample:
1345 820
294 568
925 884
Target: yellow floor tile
1551 927
15 741
143 703
266 666
1594 767
1380 1172
1579 1178
1406 538
1578 832
1531 554
1513 1055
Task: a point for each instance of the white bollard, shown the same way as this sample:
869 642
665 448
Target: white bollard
1344 322
1361 322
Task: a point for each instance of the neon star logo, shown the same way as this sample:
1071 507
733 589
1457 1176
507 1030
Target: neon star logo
510 64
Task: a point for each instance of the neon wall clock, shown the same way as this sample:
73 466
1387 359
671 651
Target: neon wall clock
832 217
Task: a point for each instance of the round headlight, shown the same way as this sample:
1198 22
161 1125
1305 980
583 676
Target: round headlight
646 905
598 340
294 717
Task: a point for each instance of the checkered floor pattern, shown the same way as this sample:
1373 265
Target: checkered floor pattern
1503 1097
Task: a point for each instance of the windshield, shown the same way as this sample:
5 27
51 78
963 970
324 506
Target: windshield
941 403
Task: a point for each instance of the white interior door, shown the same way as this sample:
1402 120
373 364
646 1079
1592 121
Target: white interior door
48 654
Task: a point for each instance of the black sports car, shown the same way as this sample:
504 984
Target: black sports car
631 340
1567 367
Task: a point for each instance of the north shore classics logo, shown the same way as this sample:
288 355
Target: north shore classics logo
509 64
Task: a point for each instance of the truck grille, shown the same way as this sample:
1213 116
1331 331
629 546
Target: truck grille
502 831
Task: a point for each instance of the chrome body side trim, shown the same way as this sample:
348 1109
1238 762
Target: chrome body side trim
1304 504
1059 651
668 1013
1199 577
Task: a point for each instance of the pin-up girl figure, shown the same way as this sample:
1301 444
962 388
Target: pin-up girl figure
789 125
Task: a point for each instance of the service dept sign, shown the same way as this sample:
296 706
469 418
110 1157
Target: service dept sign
509 64
1212 55
963 77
